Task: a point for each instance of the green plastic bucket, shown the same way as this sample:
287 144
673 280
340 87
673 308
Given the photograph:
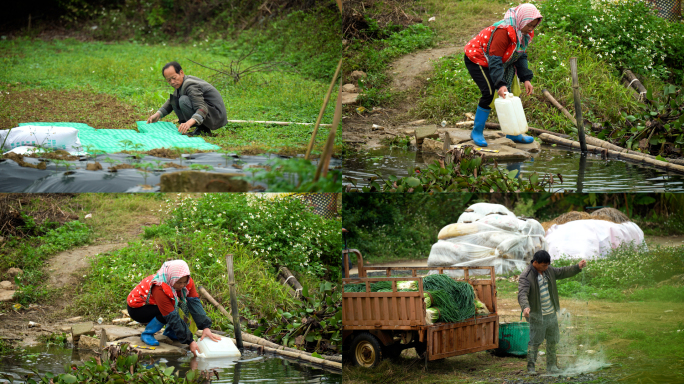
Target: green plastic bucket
513 337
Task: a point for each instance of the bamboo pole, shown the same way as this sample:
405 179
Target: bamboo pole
324 161
298 355
470 123
233 300
320 114
215 303
578 104
540 131
604 144
565 112
291 280
634 82
615 154
275 122
556 104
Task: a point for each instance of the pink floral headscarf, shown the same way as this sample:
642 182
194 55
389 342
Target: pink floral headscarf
518 18
170 272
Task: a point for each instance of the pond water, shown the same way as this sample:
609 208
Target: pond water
588 174
250 368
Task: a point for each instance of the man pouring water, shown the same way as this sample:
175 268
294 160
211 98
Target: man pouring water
538 298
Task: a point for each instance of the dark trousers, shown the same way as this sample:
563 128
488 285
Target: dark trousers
184 110
481 76
146 313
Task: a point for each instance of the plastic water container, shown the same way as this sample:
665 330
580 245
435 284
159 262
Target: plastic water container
211 349
511 115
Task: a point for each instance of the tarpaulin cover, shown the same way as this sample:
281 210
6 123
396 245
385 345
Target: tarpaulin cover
43 135
590 238
57 178
495 237
162 134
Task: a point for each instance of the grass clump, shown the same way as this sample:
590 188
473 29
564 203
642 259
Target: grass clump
31 254
627 273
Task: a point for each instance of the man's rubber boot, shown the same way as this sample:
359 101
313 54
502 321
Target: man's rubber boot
551 362
521 139
168 332
152 327
531 359
478 127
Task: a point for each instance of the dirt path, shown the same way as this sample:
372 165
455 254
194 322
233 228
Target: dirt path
408 75
406 69
65 268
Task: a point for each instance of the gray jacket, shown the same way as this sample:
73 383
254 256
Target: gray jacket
528 288
211 111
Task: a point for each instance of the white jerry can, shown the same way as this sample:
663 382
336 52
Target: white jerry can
212 349
511 115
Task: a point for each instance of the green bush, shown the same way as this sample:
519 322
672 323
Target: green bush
625 268
628 33
284 231
31 255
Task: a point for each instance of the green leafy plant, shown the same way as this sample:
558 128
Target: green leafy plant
201 167
295 175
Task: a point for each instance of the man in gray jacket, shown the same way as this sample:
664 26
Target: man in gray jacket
194 101
538 298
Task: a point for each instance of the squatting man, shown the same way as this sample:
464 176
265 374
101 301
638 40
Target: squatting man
194 101
538 298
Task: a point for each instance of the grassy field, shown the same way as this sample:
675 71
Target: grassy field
114 84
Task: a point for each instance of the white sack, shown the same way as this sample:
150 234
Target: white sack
497 239
480 210
64 138
583 239
26 150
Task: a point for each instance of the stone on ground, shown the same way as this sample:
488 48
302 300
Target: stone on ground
6 295
349 98
349 88
434 146
423 133
80 329
14 271
161 349
115 332
196 181
88 342
5 284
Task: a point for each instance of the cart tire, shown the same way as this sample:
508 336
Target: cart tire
366 350
421 348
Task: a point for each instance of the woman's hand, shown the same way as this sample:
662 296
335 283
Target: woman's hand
206 332
502 92
194 348
529 89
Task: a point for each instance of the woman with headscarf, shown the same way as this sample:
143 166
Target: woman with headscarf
493 58
168 298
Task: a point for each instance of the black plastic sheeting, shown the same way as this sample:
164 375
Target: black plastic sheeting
56 178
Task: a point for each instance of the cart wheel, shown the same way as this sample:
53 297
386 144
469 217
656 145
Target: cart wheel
366 350
421 348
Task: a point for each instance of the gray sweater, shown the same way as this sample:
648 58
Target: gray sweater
205 98
528 288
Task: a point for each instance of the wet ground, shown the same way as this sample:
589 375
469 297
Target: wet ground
591 174
250 368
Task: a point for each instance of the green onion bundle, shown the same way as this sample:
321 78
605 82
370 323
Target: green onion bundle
432 315
380 286
455 299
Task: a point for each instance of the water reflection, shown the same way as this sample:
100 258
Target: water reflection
251 367
588 174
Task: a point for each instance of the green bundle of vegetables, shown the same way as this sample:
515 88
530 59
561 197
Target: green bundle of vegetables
407 285
428 299
432 315
456 299
480 308
380 286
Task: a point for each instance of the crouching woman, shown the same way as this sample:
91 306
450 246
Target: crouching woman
168 298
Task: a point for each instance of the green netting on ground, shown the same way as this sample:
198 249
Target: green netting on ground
157 135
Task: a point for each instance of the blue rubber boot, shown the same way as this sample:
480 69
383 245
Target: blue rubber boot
168 332
521 139
152 327
478 127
